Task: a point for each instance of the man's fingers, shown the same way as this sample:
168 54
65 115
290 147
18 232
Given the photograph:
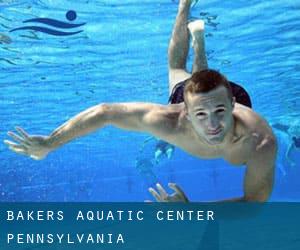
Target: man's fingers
16 137
23 133
35 157
162 192
15 147
155 194
177 189
11 144
18 150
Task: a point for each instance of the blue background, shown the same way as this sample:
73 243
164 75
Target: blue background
121 56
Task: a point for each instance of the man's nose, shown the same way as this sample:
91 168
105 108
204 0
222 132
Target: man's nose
213 123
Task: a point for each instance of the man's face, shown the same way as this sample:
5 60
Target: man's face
210 114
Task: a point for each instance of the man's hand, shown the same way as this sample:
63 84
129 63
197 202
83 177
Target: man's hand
163 196
33 146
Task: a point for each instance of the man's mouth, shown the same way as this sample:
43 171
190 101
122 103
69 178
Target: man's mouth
215 131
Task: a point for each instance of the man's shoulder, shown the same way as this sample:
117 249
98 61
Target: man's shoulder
255 133
165 122
252 124
249 118
167 115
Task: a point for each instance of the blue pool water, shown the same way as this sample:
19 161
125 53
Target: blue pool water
121 55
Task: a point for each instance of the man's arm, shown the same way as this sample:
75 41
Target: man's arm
258 180
259 177
143 117
147 117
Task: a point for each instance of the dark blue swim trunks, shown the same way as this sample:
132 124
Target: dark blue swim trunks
240 94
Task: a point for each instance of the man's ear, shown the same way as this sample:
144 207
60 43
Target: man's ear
233 101
186 113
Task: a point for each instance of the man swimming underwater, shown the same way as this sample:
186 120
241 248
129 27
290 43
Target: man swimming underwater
208 118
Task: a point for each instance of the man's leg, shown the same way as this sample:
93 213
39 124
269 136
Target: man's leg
196 29
179 46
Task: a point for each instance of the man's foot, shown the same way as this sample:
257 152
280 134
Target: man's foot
170 152
196 29
185 3
157 156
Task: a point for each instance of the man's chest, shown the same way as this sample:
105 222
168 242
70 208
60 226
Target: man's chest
236 153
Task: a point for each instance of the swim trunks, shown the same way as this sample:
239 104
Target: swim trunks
240 94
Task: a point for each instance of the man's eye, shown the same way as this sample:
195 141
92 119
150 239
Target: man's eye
201 114
220 111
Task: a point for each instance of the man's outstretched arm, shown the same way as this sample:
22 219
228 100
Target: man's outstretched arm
146 117
258 180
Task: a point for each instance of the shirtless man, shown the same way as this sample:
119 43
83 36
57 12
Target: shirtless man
206 119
